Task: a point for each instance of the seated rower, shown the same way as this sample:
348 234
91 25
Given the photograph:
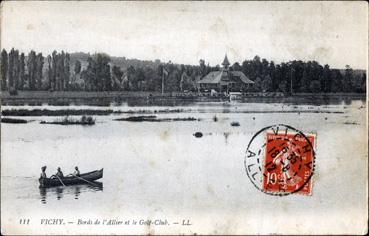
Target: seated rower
76 171
58 174
43 173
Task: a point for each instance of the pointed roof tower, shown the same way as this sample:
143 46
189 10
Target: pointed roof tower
225 62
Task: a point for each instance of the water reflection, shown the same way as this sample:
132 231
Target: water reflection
43 195
61 191
77 192
226 135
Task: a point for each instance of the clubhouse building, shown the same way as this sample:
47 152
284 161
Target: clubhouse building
225 80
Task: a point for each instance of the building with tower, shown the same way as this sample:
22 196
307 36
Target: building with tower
225 80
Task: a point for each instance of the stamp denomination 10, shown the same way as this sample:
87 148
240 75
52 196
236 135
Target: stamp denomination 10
280 160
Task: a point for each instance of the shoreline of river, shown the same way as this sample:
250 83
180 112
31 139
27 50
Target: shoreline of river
65 98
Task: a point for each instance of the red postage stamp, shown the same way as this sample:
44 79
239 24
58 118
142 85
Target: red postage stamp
280 160
288 163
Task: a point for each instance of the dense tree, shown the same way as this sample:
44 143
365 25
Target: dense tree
90 76
140 80
283 87
54 66
363 83
22 72
11 71
97 75
358 83
266 84
4 69
315 86
66 73
16 68
77 67
153 80
117 75
337 81
348 79
326 81
173 80
258 85
304 83
272 75
49 72
60 71
31 68
186 83
104 72
236 67
203 69
39 67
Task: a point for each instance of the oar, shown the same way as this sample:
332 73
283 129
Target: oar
84 180
60 180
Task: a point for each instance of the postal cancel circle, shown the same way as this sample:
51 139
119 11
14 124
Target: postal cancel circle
280 160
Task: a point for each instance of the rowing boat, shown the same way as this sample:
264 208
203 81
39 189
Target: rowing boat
81 179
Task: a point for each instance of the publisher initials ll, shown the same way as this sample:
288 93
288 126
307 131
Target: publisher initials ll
186 222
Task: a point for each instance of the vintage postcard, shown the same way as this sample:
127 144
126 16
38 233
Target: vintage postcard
184 118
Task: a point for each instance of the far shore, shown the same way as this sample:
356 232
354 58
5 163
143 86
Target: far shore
90 112
66 97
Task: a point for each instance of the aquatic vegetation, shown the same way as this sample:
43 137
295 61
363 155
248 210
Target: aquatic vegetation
155 119
85 120
350 123
62 112
235 123
13 121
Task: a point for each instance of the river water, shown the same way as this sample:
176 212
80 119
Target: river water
160 170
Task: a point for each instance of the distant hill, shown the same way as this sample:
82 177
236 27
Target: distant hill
122 62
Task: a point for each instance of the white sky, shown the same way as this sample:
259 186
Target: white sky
184 32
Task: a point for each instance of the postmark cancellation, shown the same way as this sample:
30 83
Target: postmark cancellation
280 159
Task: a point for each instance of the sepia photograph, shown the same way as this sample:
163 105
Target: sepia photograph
184 117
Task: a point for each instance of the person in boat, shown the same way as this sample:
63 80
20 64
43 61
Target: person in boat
43 173
76 171
58 174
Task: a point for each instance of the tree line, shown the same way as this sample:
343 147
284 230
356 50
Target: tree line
302 77
55 72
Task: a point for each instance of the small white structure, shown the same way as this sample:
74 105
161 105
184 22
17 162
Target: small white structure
235 95
213 93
